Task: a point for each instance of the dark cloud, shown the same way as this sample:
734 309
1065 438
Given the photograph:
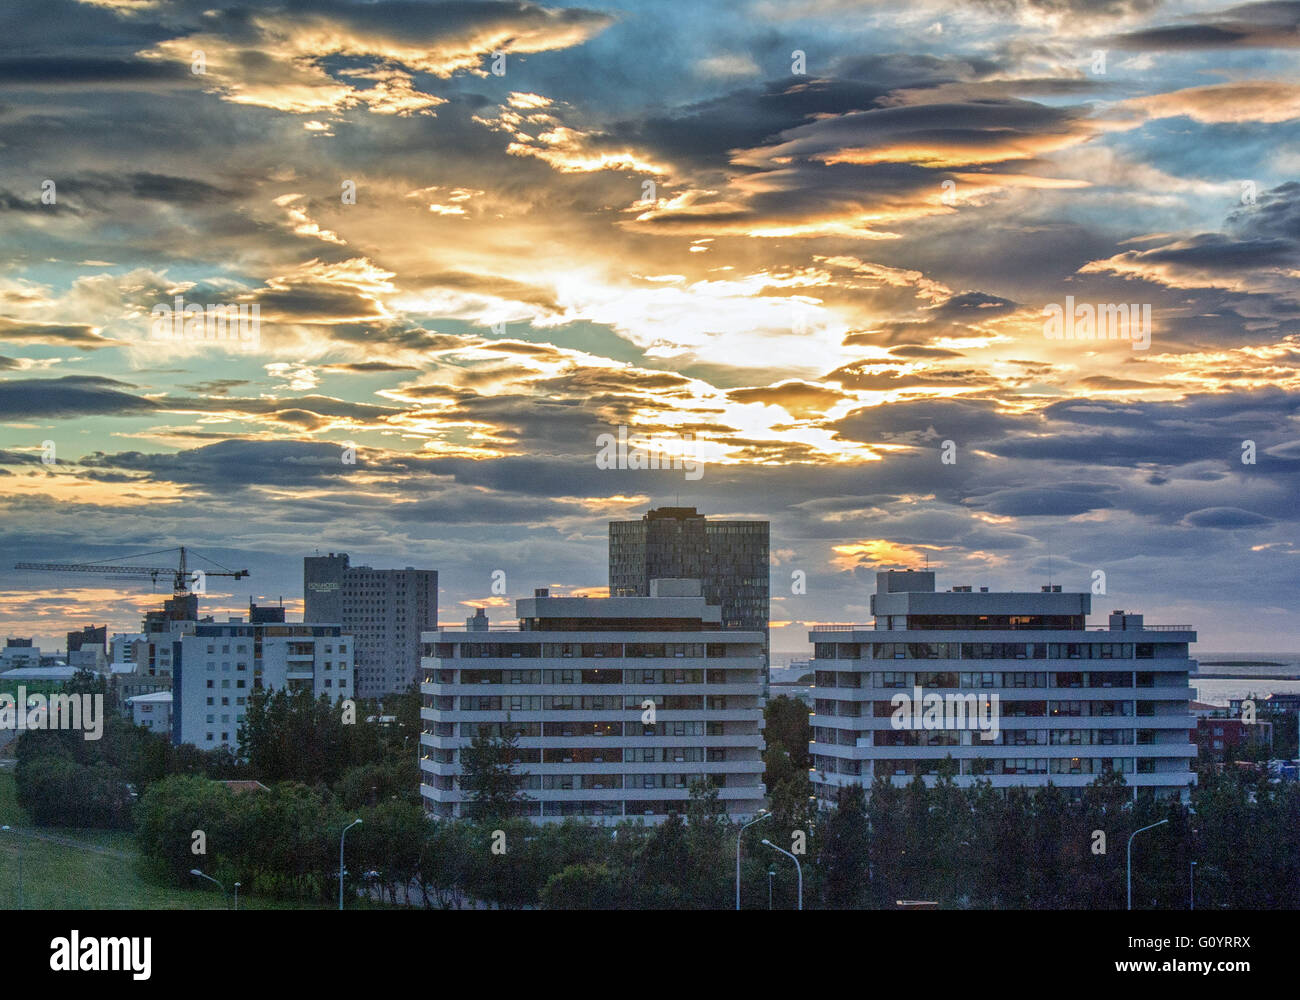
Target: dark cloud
907 350
1032 501
70 396
1273 24
97 73
17 331
370 367
1225 517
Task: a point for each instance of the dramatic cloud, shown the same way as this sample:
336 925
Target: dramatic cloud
811 241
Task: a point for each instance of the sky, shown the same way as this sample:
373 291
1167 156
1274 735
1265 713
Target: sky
816 246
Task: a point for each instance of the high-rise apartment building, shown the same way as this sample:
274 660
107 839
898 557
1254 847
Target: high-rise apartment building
619 703
729 558
1014 686
385 610
217 667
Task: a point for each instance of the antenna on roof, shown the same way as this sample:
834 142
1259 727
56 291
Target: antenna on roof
1049 569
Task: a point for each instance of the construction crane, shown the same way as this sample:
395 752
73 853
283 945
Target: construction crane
182 576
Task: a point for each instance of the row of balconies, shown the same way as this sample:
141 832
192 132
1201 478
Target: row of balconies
593 715
754 766
1167 720
750 688
997 752
1158 779
732 661
1162 692
859 668
743 792
1089 633
581 742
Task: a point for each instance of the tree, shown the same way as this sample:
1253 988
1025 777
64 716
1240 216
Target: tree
172 811
786 724
582 887
842 851
290 736
55 791
488 776
660 867
444 869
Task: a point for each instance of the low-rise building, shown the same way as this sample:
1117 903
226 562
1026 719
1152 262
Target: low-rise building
153 711
1220 735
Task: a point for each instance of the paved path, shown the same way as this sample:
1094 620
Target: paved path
65 841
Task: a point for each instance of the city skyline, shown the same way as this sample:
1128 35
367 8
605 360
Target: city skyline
844 264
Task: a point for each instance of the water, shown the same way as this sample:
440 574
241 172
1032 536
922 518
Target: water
1213 692
1258 683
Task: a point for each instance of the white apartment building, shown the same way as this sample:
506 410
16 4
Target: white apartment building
153 711
574 679
1072 700
218 666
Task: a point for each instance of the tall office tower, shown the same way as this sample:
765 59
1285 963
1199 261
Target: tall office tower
384 609
573 681
1073 701
730 559
219 665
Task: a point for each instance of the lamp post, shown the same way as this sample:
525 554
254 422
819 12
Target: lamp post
763 814
225 895
1191 886
236 895
6 829
798 867
342 836
770 875
1130 857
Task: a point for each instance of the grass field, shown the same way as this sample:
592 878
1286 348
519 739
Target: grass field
67 869
10 686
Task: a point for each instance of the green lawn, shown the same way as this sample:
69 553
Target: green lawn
88 870
8 685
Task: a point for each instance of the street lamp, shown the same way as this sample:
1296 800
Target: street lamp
770 875
763 814
343 835
1130 857
195 871
6 829
1191 886
798 867
236 895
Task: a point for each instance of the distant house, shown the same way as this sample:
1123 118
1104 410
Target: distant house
1217 735
153 711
